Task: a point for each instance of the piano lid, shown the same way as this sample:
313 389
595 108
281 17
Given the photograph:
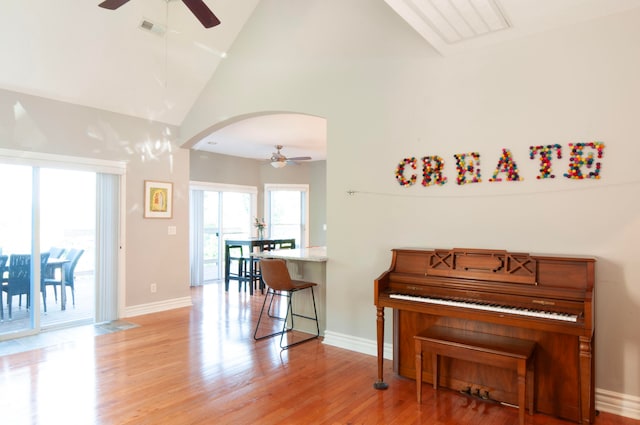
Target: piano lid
495 266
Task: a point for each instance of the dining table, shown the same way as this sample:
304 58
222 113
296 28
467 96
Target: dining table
253 245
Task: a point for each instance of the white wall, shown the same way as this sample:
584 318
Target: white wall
386 96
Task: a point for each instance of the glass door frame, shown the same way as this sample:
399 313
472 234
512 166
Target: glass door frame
220 188
38 160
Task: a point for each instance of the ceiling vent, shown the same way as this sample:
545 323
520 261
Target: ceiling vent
444 23
157 29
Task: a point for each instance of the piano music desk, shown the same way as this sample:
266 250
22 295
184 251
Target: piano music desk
493 350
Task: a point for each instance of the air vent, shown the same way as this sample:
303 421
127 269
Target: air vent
157 29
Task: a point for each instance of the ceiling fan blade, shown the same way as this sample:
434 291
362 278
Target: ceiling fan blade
112 4
299 158
202 12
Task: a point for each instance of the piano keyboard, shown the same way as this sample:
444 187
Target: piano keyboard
490 307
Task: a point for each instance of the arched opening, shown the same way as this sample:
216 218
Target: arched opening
235 156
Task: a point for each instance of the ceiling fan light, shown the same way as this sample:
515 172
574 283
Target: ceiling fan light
278 164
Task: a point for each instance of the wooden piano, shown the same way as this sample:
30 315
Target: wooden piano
546 299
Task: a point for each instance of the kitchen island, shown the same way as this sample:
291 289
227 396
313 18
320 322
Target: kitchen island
308 264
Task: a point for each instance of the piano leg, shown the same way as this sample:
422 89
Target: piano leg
380 384
586 378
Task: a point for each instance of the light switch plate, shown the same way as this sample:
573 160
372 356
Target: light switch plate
171 230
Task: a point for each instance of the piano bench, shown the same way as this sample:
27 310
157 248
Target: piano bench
493 350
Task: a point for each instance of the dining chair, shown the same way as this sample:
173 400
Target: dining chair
19 280
44 257
3 281
4 259
55 252
70 272
239 266
73 255
276 276
286 244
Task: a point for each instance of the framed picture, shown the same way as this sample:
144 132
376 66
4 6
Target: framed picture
158 199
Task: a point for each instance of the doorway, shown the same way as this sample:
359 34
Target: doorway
56 215
68 223
218 212
60 205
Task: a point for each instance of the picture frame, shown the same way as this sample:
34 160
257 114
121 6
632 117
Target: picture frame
158 199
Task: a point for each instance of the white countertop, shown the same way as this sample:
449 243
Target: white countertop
316 253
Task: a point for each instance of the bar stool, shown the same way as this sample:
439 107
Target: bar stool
279 283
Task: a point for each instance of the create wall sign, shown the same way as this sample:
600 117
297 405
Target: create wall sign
583 164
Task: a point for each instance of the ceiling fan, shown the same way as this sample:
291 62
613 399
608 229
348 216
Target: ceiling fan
197 7
278 160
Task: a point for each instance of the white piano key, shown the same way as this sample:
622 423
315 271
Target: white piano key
490 307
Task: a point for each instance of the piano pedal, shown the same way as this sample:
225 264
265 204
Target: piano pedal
478 393
466 391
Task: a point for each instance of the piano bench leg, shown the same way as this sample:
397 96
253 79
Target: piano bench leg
434 368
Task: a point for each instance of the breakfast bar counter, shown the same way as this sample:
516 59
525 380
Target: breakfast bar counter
308 264
315 254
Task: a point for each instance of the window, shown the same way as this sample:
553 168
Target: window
287 212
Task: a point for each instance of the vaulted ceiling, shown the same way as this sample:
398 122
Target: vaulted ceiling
77 52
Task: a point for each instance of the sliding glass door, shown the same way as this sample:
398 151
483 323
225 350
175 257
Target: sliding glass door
16 242
211 235
50 215
68 230
218 212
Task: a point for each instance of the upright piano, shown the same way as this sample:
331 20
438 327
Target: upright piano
546 299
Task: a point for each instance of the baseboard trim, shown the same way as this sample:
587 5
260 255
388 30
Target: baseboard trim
618 404
139 310
606 401
360 345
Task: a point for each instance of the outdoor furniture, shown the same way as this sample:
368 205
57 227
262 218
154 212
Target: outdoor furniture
67 266
19 278
3 280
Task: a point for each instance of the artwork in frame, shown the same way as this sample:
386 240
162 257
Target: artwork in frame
158 199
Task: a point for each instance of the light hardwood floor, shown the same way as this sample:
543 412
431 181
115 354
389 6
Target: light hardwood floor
200 365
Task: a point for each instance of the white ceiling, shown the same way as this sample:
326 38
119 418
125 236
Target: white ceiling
256 137
74 51
77 52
